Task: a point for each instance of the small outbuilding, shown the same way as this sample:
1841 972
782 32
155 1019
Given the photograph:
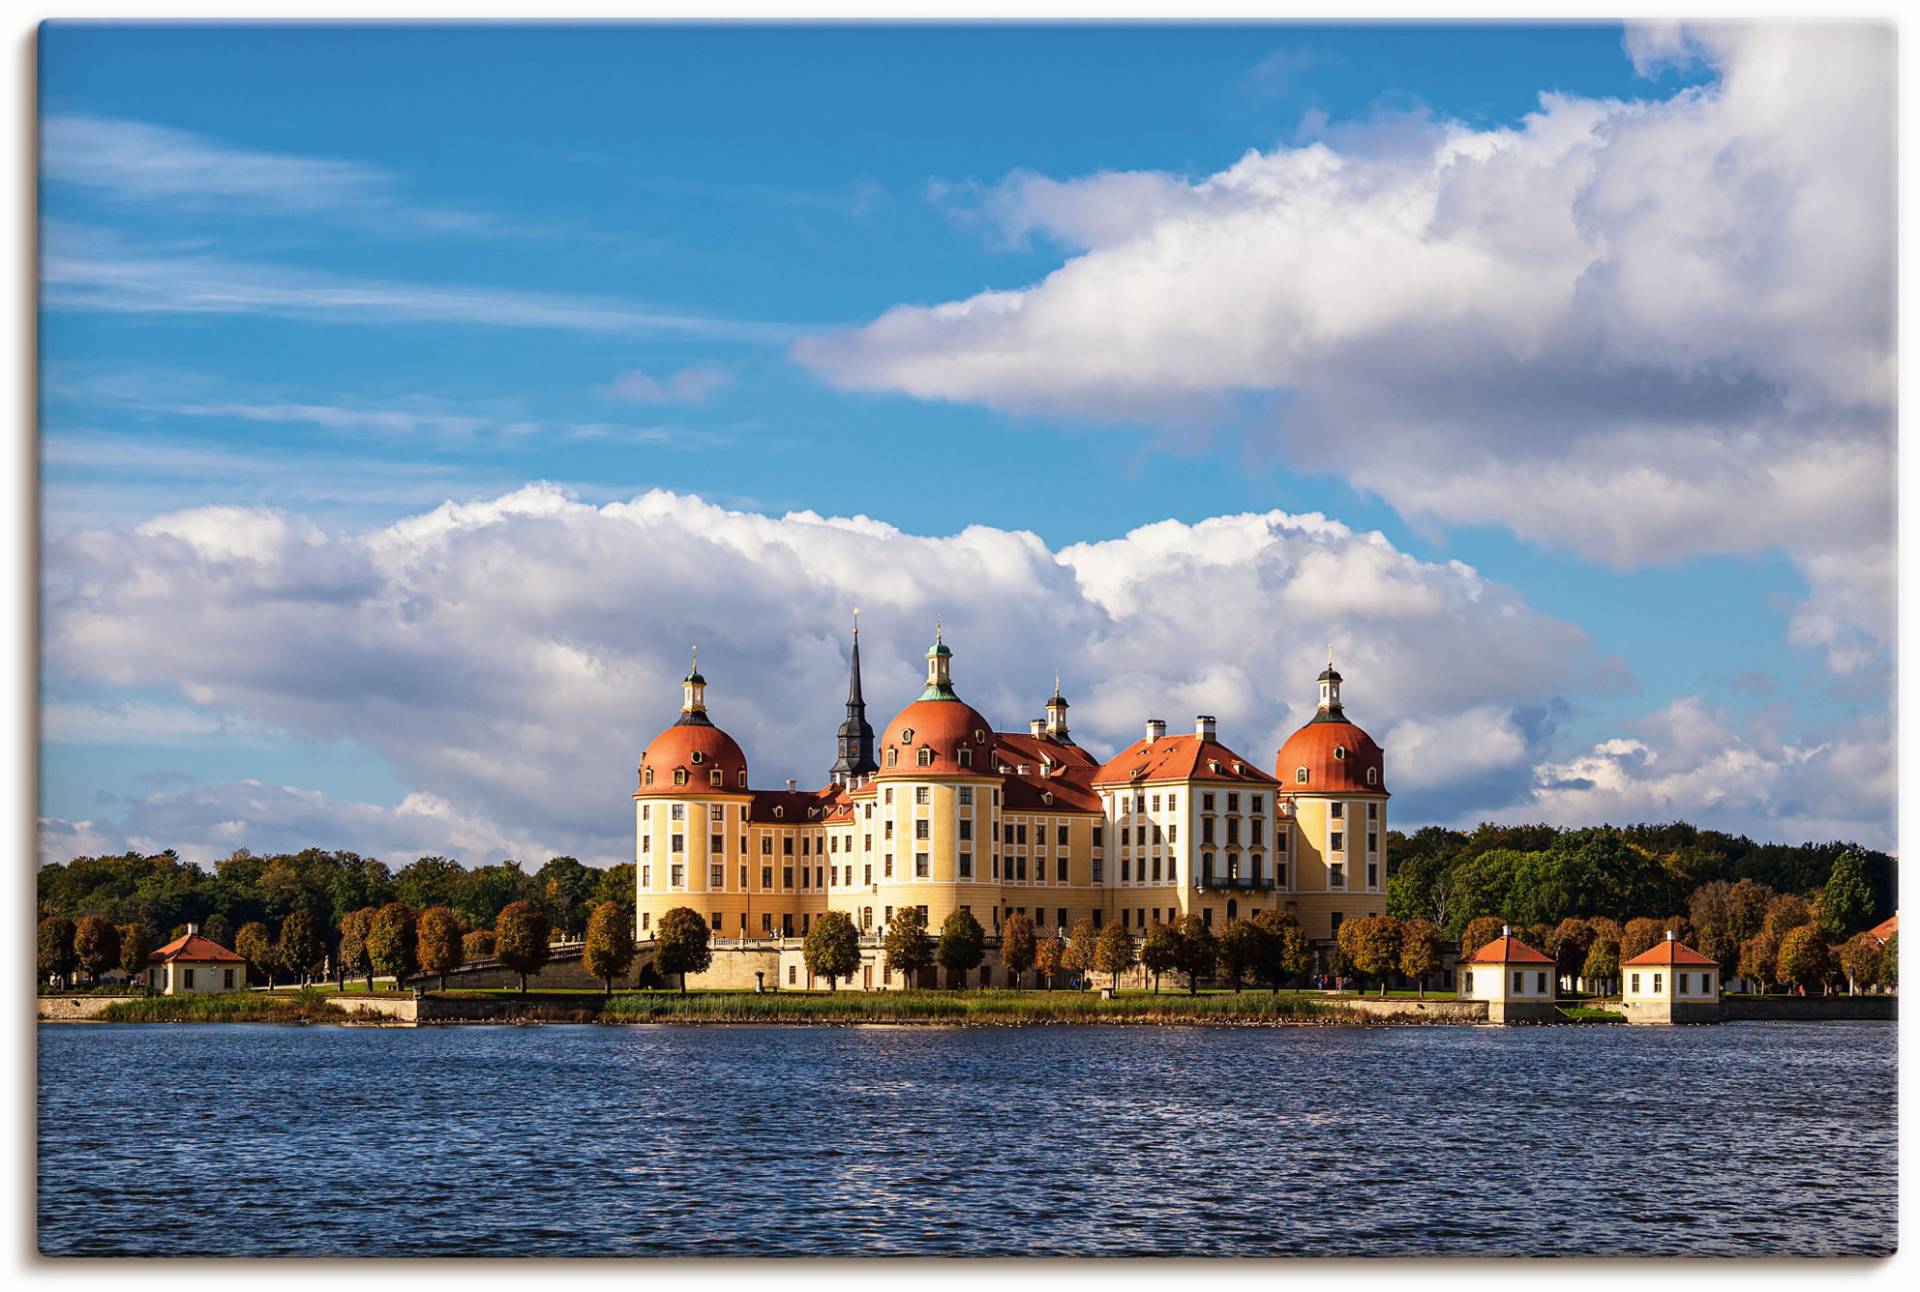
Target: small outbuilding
1518 982
1670 982
192 963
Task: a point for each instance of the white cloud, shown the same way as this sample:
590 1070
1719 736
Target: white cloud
1641 330
692 385
143 723
510 658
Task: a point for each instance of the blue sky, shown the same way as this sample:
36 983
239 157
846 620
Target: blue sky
342 275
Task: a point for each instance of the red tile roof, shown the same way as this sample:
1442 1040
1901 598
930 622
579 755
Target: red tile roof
193 947
1064 792
1337 756
1670 951
1016 747
1179 758
674 750
1508 950
943 728
1885 928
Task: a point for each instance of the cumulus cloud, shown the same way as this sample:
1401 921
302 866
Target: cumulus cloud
1642 330
509 658
1689 761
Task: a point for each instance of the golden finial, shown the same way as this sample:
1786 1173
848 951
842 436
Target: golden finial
856 623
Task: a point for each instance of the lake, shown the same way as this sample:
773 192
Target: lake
1740 1139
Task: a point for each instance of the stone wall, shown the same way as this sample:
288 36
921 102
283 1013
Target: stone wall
1438 1011
75 1009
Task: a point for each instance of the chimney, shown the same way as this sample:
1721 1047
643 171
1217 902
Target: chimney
792 785
1036 727
1156 728
1203 726
192 929
1669 935
1023 769
1506 930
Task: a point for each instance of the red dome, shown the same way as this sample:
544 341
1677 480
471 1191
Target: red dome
699 749
943 726
1338 757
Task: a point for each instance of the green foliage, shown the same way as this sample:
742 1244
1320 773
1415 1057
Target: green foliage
134 950
218 928
1198 951
1114 952
254 943
300 947
617 884
907 946
305 1006
1786 913
1568 944
521 935
832 948
393 942
1016 946
1160 951
353 958
990 1008
1243 946
566 892
96 946
963 944
1602 964
609 949
1805 958
440 948
428 882
1846 905
1860 960
1716 924
54 947
1890 963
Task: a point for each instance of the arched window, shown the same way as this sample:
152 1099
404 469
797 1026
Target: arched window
966 756
1233 909
893 757
743 778
1373 775
717 777
646 776
1300 775
924 757
679 776
866 917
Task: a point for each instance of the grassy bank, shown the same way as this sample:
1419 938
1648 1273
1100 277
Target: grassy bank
227 1007
985 1008
1589 1014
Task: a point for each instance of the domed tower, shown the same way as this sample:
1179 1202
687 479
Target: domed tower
1057 715
855 758
690 819
1333 776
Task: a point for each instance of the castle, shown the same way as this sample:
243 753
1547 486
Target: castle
942 812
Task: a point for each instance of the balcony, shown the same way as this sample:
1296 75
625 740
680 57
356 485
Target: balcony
1231 883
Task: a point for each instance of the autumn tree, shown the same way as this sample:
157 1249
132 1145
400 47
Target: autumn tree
1890 963
1478 933
478 945
1760 960
1419 951
1016 946
1805 959
1049 955
218 928
1081 944
1114 952
1160 951
1372 945
1243 944
55 949
1846 903
393 942
1641 934
1567 944
255 946
353 958
439 940
832 948
963 944
134 951
1285 955
1785 913
299 947
1602 964
1860 961
907 947
521 935
609 949
96 945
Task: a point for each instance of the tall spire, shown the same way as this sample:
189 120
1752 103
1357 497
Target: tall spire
1330 710
1057 714
939 667
856 737
693 702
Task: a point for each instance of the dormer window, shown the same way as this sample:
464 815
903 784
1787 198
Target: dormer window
698 756
893 757
779 811
679 776
1238 769
743 778
923 757
1213 765
906 735
718 777
1339 753
1373 775
965 756
979 736
1300 776
646 776
1047 799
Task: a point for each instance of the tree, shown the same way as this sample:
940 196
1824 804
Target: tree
1805 959
1049 955
1639 935
428 882
55 948
353 958
963 944
1890 963
299 948
255 945
1602 964
1372 944
1846 904
1081 943
832 948
438 937
1284 952
566 890
1478 933
96 945
520 937
218 928
1568 944
478 945
393 941
907 946
1786 913
609 949
1016 946
1198 951
1114 952
1420 951
1160 951
1860 961
1747 904
134 951
1243 944
1760 960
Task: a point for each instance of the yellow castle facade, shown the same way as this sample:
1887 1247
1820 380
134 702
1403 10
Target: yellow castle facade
941 811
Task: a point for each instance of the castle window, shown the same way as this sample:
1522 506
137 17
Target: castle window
966 796
743 778
893 757
924 757
646 776
679 811
1339 752
920 865
979 736
780 811
1300 775
717 777
679 776
1373 776
698 756
906 735
919 794
965 756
